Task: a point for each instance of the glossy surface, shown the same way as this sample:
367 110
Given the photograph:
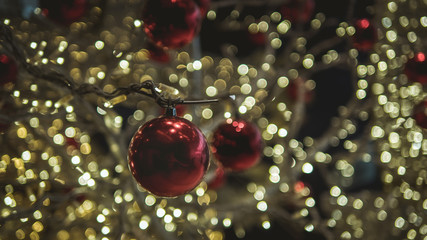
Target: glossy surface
237 144
416 68
298 10
218 179
168 156
158 54
8 70
171 23
420 114
64 12
365 36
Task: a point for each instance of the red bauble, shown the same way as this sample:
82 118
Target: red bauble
64 12
237 144
298 10
204 6
168 156
218 179
158 54
416 68
420 114
365 36
171 23
8 70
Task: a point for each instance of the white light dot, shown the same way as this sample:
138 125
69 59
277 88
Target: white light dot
100 218
307 168
160 212
143 224
75 160
91 182
124 64
309 227
262 206
243 69
60 60
104 173
226 222
335 191
105 230
207 113
150 200
168 218
266 225
26 155
137 23
211 91
177 212
243 109
283 132
197 65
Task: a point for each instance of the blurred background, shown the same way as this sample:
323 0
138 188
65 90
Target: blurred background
318 132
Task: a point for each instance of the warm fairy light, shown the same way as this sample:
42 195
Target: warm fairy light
60 147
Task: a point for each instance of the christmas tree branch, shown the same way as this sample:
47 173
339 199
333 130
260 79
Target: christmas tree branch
147 88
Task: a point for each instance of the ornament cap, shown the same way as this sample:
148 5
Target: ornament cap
170 111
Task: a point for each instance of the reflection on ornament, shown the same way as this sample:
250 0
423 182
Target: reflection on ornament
237 144
365 36
416 68
171 23
168 156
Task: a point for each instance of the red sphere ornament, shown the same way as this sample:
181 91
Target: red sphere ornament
64 12
8 70
168 156
237 144
416 68
171 23
298 10
218 179
420 114
365 36
158 54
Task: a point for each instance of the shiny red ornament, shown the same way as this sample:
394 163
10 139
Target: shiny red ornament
298 10
168 156
204 6
158 54
237 144
416 68
64 12
420 114
218 179
171 23
8 70
365 36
